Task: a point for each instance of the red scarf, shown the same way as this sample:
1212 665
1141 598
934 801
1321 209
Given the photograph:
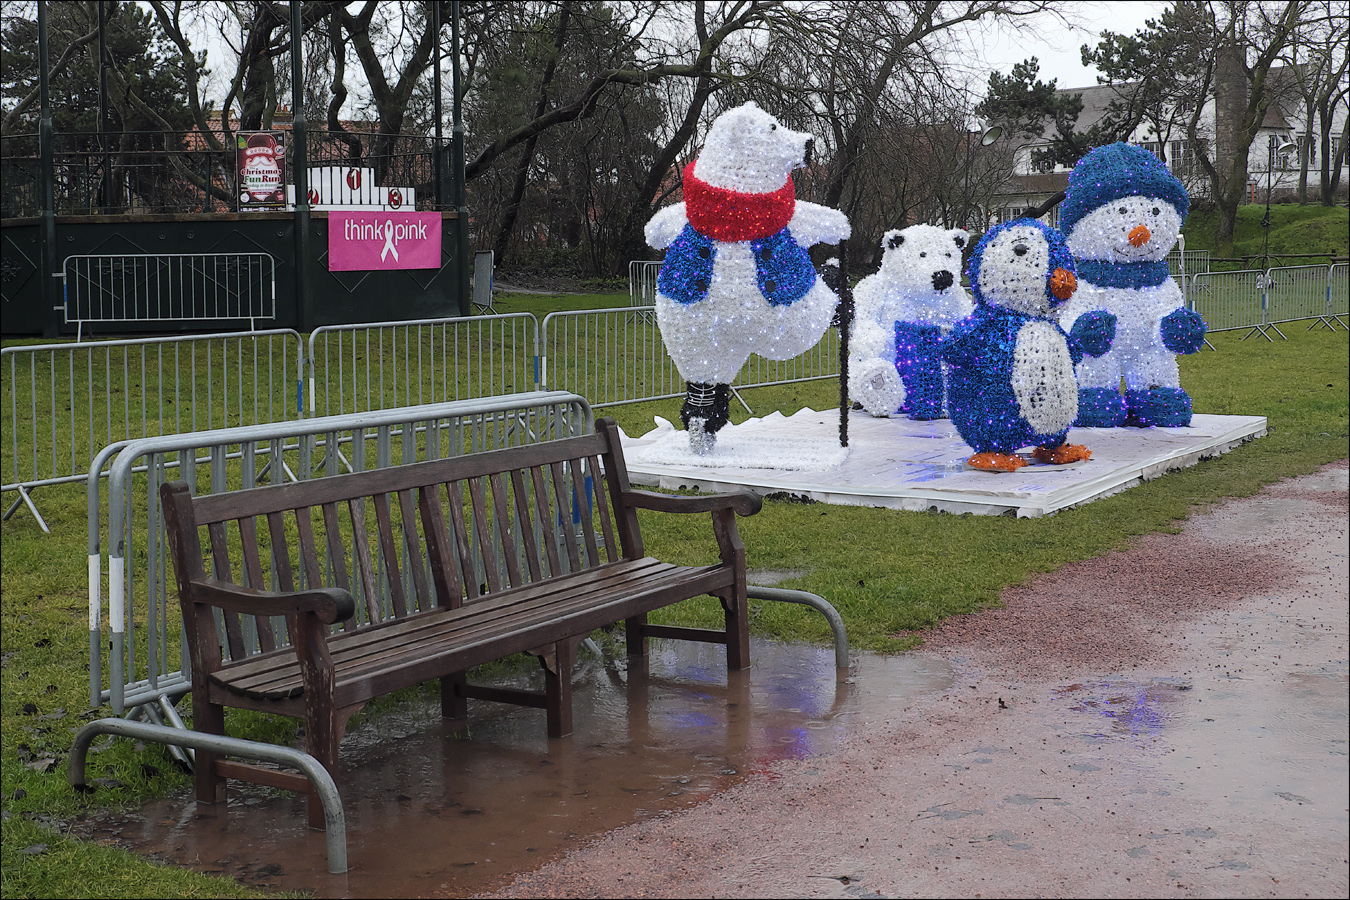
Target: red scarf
730 216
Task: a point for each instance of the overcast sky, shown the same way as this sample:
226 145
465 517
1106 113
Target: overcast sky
1057 48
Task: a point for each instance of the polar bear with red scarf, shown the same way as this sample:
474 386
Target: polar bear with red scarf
737 278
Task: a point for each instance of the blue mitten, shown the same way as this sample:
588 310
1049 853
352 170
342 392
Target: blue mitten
1183 331
1094 332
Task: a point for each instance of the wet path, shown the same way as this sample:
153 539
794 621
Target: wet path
1167 721
432 812
1170 720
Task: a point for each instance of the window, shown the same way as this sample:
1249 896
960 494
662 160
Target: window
1181 158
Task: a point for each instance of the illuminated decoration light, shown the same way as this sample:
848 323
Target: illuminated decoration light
902 312
1011 365
1122 213
737 278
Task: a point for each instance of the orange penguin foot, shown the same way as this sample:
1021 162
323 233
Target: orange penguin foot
1064 453
996 462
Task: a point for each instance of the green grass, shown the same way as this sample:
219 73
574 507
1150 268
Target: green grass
898 574
1293 230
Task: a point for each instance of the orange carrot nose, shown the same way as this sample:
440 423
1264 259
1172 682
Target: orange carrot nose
1063 284
1139 236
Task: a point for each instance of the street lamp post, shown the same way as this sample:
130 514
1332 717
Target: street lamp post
1270 172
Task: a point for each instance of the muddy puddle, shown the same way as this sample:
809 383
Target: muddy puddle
430 810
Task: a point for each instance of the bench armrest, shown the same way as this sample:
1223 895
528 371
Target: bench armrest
741 502
329 605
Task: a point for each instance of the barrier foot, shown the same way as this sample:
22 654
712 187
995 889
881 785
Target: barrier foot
335 823
27 501
780 595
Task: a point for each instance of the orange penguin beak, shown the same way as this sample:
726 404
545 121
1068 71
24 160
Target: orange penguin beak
1063 284
1139 236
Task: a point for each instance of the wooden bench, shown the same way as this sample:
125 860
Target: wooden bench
422 571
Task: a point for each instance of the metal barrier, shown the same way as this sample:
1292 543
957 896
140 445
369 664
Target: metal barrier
642 281
147 659
63 402
608 356
1190 262
611 356
1294 293
147 287
1338 297
355 368
325 789
1229 301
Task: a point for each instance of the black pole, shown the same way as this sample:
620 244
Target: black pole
845 326
304 300
460 199
436 97
52 293
105 192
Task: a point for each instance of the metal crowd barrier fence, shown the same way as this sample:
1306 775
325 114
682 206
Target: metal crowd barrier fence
154 287
642 281
63 402
1260 301
1338 297
611 356
356 368
1294 293
1229 301
146 665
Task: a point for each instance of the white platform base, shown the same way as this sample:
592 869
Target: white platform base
898 463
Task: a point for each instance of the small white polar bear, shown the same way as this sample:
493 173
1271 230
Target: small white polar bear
902 311
737 278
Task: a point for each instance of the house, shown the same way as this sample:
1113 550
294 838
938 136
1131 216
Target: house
1270 166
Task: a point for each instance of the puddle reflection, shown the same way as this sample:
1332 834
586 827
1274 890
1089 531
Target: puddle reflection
432 811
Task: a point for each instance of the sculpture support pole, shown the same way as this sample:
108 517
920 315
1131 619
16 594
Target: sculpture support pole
845 326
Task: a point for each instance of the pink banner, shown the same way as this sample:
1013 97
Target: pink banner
363 241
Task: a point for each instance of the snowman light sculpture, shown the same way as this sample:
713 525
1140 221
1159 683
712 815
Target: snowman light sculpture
1122 213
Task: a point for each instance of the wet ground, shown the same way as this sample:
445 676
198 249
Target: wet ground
1170 720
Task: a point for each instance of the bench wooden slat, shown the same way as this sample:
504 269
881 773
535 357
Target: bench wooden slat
497 480
546 531
390 555
365 566
487 550
564 511
582 490
337 554
602 502
444 571
454 493
421 593
248 539
524 522
220 559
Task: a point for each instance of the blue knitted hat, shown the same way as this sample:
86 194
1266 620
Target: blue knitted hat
1114 171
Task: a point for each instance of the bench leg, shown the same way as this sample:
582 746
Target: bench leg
207 718
454 705
738 630
633 636
557 665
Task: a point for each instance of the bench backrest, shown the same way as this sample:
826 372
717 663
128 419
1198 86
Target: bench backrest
409 538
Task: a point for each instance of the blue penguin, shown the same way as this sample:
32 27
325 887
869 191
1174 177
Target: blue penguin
1011 365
